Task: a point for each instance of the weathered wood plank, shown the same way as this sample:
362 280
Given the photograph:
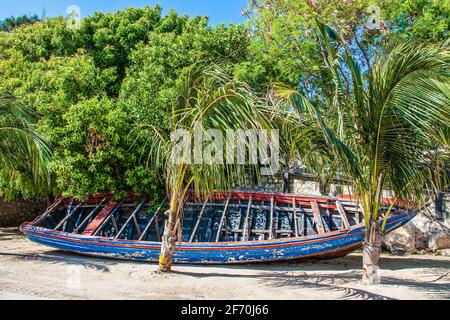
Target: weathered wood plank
343 214
90 216
51 209
302 224
254 206
239 221
77 223
246 235
301 221
226 228
136 226
110 217
100 218
194 231
327 220
115 226
155 216
294 207
219 231
66 218
158 232
284 232
360 216
317 217
259 231
69 208
133 215
272 205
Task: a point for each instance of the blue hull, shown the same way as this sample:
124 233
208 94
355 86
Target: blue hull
337 243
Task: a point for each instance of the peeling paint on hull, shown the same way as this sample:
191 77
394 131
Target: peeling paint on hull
326 245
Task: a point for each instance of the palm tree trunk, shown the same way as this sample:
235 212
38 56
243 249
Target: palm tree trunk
371 254
169 240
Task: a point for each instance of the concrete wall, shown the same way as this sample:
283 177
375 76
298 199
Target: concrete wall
14 213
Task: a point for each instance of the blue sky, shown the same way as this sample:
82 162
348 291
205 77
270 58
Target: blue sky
217 10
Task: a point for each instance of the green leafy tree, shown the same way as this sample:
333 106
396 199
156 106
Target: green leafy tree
110 38
127 63
149 85
284 47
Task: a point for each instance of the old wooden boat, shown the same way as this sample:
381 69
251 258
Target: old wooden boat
225 228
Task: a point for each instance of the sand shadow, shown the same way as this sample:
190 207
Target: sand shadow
61 257
340 283
337 275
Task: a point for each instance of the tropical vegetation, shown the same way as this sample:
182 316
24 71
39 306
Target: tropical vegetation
22 148
383 127
368 103
90 88
206 98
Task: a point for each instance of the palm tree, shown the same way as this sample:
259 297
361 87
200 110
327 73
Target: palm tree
206 98
284 121
300 139
383 126
22 148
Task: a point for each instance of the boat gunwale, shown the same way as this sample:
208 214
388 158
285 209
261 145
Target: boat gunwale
236 194
27 228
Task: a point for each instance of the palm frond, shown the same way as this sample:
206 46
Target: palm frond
22 147
391 133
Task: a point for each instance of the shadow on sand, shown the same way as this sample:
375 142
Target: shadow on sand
338 275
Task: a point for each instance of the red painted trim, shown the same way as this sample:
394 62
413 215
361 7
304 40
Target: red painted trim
102 216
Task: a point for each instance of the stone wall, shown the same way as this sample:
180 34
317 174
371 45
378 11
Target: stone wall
304 183
266 184
14 213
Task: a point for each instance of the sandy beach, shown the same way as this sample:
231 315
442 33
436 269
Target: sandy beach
31 271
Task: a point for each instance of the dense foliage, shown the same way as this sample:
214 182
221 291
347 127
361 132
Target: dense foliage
92 88
284 47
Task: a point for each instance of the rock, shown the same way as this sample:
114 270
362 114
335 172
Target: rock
423 234
402 241
440 241
445 252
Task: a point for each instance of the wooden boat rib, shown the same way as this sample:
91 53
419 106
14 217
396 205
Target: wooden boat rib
225 228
